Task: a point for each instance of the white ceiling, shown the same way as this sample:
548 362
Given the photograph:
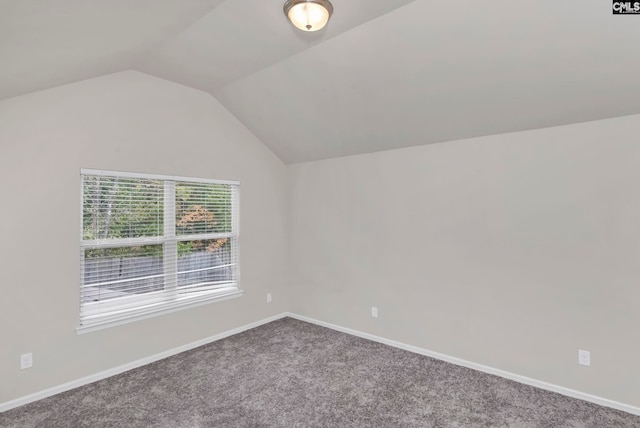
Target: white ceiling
384 74
46 43
230 43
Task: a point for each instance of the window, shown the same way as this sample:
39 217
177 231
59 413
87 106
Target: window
153 244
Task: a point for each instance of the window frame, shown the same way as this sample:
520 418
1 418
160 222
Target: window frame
170 299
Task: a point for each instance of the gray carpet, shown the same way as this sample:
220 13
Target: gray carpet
290 373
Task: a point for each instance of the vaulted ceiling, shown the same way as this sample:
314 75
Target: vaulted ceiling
384 74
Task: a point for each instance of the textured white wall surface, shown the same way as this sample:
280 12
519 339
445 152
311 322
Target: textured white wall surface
512 251
125 122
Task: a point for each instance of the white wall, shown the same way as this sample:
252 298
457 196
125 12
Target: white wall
511 251
130 122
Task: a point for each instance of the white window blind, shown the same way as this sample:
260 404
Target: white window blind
153 244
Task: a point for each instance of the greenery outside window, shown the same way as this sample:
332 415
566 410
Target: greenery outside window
152 244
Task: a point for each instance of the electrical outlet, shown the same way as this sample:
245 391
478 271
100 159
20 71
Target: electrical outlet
269 298
374 312
26 361
584 358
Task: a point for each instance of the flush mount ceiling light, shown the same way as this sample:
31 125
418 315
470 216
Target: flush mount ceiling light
308 15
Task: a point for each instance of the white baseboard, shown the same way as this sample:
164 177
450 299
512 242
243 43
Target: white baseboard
479 367
453 360
132 365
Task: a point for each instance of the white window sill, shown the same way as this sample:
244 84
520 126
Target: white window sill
112 320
